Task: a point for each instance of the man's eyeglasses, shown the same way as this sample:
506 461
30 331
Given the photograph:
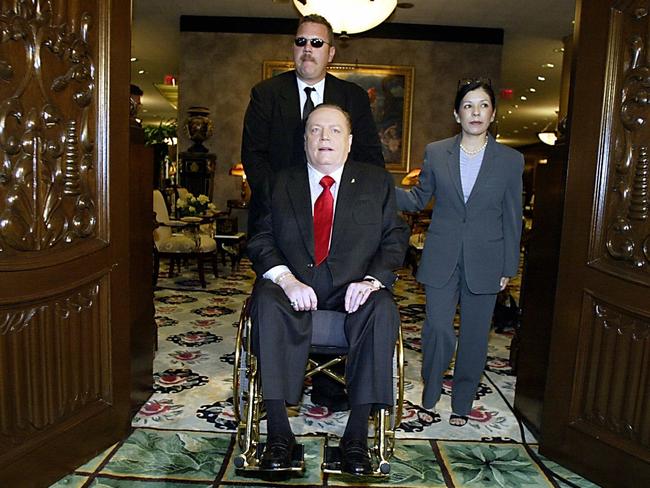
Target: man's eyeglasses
468 81
315 42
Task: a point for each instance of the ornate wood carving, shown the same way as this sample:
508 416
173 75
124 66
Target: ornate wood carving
48 188
623 228
612 376
55 359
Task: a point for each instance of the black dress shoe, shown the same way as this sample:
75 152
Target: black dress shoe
278 452
354 457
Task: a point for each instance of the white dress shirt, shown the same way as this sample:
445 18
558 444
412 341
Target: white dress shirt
315 189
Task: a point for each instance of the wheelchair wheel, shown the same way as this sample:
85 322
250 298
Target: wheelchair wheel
239 377
387 420
246 393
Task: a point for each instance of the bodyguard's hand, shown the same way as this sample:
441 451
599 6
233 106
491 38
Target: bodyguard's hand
301 296
357 294
504 282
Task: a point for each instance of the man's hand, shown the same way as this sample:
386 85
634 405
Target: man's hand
301 296
357 294
504 282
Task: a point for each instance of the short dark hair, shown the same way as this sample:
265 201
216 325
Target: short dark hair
348 119
135 90
465 87
319 19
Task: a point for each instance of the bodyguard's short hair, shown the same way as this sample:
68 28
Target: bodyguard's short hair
319 19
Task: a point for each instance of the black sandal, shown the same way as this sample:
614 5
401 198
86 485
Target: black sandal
457 420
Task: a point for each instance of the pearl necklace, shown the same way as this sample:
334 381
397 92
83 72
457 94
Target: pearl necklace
476 151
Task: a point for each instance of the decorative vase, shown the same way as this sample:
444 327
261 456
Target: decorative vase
199 128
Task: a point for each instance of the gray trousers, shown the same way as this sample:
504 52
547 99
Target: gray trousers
439 341
282 336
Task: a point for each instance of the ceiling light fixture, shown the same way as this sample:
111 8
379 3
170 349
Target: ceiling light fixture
133 60
548 65
349 16
541 78
141 72
532 90
523 98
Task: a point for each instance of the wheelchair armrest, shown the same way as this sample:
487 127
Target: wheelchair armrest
328 329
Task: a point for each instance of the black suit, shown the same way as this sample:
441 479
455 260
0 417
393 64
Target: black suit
368 238
273 136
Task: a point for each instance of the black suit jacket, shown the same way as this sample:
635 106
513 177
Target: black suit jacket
273 135
368 236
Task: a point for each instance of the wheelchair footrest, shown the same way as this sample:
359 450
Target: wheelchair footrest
332 464
297 460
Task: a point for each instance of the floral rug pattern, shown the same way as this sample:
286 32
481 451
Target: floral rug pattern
193 367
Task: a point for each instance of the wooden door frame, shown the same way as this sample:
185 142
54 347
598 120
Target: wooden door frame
45 454
571 434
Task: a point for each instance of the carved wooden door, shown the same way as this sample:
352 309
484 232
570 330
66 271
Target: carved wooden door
597 401
64 316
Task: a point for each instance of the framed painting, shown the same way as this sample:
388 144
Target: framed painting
390 90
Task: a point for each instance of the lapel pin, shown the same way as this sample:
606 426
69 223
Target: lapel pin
353 180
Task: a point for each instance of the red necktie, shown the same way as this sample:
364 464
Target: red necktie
323 213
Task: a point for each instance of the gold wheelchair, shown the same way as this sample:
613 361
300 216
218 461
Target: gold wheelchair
328 338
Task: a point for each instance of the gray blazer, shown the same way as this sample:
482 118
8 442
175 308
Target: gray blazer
487 228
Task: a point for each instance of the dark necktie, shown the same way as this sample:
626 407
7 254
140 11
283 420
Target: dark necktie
323 214
309 103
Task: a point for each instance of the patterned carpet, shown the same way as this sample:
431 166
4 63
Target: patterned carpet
183 434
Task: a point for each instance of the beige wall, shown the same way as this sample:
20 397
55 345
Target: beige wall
217 70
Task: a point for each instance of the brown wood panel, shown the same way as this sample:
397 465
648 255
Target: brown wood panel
539 285
58 361
64 236
143 327
595 417
610 394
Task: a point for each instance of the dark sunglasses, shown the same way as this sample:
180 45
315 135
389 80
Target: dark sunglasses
315 42
468 81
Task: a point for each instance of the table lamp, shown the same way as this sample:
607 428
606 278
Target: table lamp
238 170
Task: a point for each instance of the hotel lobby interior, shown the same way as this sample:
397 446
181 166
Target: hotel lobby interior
109 378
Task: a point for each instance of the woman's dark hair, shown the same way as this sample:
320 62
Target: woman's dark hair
466 86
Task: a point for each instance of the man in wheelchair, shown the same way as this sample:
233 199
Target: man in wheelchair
329 239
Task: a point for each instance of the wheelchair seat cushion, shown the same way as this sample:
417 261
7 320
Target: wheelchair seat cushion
328 329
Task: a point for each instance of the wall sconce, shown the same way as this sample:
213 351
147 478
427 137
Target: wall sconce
548 136
349 16
237 169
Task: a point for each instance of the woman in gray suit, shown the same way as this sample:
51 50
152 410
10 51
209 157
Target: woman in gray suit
472 245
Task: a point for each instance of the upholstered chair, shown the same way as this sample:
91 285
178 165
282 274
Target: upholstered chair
176 239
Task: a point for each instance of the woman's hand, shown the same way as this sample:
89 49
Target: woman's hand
504 282
301 296
357 294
